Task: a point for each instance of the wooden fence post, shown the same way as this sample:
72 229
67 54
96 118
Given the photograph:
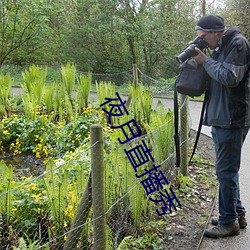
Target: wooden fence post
98 195
135 74
135 82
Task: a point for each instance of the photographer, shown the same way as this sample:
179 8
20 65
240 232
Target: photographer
228 112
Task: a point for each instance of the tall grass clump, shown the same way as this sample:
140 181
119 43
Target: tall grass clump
48 97
105 91
83 91
68 74
141 102
160 131
33 85
5 90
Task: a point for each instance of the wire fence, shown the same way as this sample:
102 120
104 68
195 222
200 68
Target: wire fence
160 87
57 209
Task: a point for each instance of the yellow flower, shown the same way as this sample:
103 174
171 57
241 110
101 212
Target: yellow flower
73 199
69 211
6 132
37 196
38 156
14 209
31 187
17 152
45 151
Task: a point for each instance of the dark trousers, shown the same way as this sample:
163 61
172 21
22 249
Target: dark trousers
228 145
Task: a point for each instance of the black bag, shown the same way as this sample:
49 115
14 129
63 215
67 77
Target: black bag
192 80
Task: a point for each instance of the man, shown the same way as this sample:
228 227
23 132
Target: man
228 112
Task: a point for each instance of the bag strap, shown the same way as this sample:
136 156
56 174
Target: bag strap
176 126
199 127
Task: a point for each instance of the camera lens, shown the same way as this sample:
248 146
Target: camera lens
187 53
190 51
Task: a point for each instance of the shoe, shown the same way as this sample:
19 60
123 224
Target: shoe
241 219
221 230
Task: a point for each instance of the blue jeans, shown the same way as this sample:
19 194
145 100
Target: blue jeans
228 145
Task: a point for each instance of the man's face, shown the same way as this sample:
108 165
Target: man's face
211 38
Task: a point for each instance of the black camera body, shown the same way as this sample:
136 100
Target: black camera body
190 51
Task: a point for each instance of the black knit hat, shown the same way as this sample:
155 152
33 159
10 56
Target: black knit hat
211 23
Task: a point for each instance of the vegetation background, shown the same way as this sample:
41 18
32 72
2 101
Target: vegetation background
107 36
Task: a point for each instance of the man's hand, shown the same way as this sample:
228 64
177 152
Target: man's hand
200 58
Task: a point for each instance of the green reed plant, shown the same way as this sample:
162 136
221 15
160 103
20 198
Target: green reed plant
33 85
160 129
68 74
141 105
121 180
63 100
56 184
83 91
146 102
48 98
6 184
58 102
106 90
62 106
5 90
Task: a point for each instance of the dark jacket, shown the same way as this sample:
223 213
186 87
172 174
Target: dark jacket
229 90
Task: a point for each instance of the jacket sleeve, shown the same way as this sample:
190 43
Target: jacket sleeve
234 66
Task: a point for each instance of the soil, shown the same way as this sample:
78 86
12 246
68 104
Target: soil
25 164
186 226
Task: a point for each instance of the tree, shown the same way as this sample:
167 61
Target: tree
21 21
237 13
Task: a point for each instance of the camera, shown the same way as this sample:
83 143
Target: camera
190 51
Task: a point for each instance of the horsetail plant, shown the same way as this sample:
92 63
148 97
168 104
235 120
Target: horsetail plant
141 103
48 98
68 74
83 91
56 183
6 184
5 89
106 90
33 85
160 131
